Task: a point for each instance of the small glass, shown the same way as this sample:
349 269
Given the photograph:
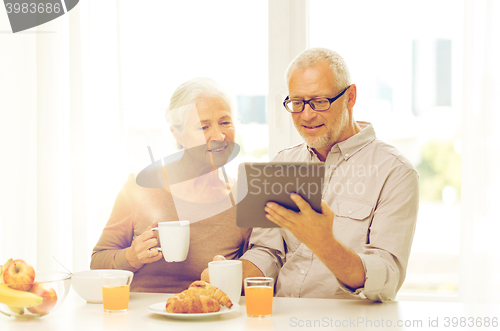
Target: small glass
115 292
259 296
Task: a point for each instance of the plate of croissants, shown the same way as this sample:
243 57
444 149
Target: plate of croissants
200 300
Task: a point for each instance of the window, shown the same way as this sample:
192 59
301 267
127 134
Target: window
406 62
177 41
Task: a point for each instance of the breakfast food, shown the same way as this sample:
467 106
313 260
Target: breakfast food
191 304
204 288
15 282
200 297
18 274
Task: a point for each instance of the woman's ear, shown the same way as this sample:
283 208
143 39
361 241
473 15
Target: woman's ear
177 135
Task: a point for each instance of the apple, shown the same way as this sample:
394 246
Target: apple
19 275
49 298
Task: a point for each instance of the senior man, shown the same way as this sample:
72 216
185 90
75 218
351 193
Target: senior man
360 244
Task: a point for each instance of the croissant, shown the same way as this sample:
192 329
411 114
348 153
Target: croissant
203 288
200 297
182 303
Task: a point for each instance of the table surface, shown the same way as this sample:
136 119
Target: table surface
288 314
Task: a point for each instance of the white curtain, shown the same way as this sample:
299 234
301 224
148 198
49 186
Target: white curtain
18 127
60 136
479 259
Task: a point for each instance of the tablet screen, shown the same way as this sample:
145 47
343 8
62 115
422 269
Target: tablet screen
259 183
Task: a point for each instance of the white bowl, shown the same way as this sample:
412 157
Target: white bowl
88 284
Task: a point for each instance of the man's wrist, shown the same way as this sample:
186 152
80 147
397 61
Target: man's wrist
343 262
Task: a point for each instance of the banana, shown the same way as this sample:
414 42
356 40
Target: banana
2 267
17 310
15 299
20 299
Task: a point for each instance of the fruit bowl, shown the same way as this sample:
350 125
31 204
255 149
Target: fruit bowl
45 295
88 283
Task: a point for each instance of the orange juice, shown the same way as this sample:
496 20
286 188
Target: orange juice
115 297
259 300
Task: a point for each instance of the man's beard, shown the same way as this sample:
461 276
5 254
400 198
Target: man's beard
317 142
329 138
326 140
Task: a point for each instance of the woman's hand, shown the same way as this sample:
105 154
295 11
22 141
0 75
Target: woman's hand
143 249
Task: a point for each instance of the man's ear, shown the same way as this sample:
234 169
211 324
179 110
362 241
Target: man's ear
351 95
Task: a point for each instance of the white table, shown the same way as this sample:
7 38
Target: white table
288 314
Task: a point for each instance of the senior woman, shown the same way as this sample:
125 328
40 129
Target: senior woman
201 118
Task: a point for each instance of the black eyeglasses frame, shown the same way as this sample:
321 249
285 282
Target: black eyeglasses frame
304 102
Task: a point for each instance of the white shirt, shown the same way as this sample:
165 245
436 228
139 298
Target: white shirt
373 191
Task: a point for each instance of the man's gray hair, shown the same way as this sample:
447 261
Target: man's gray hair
311 56
188 94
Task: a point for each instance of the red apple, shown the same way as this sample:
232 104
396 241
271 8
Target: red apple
19 275
49 298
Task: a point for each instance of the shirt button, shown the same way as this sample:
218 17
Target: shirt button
302 271
346 154
349 212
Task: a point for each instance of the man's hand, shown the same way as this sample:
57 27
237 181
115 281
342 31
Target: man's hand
204 275
311 228
143 249
316 232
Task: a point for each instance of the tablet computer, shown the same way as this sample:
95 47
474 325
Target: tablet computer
259 183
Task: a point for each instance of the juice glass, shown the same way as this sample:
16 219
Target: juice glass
115 292
259 296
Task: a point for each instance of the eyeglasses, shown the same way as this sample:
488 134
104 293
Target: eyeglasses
321 104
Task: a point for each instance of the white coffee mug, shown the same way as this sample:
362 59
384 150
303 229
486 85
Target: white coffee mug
227 276
173 238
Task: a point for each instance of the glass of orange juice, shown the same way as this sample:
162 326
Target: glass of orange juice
115 292
259 296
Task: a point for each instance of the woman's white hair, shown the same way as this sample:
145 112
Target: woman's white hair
188 94
311 56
